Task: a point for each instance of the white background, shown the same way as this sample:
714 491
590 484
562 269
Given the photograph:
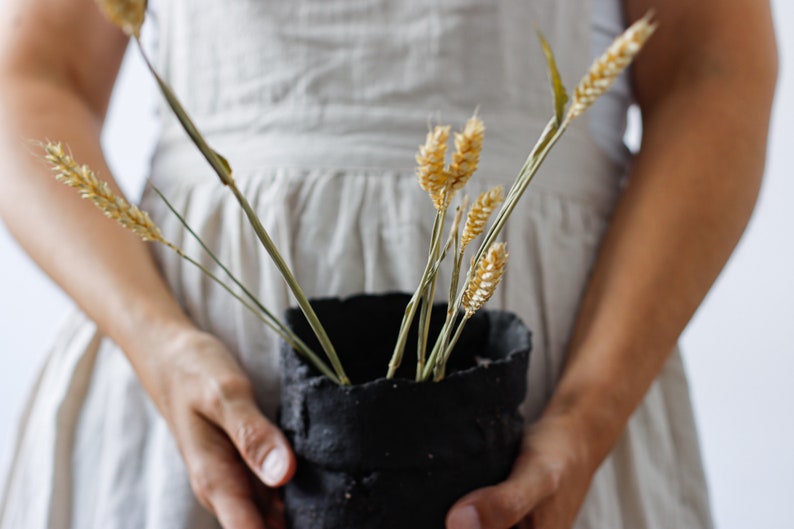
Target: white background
738 348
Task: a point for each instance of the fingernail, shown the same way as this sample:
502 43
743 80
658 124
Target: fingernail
464 518
275 466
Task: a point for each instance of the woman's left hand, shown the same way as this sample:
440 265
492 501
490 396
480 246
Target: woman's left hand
546 488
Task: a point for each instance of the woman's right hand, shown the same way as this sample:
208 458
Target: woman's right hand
58 63
233 454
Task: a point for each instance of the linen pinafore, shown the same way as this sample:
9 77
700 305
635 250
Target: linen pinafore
320 106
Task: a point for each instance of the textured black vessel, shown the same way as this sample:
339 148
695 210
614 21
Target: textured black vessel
396 453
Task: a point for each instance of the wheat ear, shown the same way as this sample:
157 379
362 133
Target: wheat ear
431 161
485 280
468 145
128 15
478 216
82 178
481 287
606 69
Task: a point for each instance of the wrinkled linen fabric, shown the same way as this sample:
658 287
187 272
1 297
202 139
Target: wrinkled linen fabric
320 106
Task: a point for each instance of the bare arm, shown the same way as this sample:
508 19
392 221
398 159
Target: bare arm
58 68
58 63
705 85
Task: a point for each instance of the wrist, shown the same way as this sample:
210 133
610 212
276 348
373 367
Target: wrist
155 338
593 412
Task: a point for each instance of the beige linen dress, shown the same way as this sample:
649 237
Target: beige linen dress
320 105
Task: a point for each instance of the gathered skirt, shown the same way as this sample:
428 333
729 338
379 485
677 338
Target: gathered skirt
93 452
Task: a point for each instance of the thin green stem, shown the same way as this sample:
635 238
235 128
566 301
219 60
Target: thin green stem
452 311
429 297
414 302
453 286
216 161
300 297
299 345
441 364
453 290
402 337
217 261
440 347
550 136
223 170
288 336
420 350
437 349
424 323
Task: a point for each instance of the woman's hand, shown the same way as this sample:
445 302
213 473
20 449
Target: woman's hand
704 84
545 489
233 454
58 63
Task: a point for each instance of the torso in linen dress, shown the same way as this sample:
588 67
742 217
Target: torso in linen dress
320 105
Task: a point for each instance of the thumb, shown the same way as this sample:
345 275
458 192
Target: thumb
504 505
260 443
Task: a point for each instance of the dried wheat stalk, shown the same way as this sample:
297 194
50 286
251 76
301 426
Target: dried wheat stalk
82 178
606 69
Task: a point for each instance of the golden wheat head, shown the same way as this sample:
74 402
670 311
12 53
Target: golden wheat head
431 161
478 216
128 15
606 69
82 178
468 145
486 278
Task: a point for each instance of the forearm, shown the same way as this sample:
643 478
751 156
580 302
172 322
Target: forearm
198 386
105 269
688 200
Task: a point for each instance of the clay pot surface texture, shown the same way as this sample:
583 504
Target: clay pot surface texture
398 453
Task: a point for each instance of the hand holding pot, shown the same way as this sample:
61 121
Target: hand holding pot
546 488
232 452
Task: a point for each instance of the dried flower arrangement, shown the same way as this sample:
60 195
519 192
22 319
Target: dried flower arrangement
440 180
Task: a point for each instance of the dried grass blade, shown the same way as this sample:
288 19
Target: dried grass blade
557 87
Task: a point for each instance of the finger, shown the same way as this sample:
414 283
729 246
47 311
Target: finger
260 443
504 505
219 478
269 502
237 512
274 517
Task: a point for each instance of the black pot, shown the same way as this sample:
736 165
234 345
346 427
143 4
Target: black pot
396 453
